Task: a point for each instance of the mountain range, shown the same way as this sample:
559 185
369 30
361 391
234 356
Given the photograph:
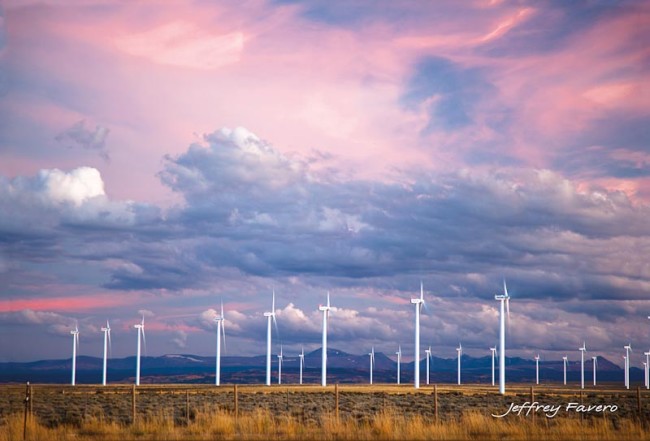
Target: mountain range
342 368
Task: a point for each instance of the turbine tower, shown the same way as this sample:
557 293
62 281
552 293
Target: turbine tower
301 356
372 362
595 365
221 332
280 366
140 328
625 369
325 310
628 349
645 372
647 369
107 342
418 302
270 316
428 357
582 365
459 349
75 345
493 350
537 369
399 362
565 360
505 301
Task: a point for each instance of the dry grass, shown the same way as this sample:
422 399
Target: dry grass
385 425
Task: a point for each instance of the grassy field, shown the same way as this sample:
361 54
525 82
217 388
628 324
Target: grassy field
198 412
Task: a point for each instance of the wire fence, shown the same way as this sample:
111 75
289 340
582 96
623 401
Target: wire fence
54 405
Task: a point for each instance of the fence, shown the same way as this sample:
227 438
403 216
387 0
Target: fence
54 405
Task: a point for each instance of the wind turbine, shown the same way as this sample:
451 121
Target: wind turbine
270 316
372 362
505 301
140 328
595 365
418 302
647 369
280 366
459 349
493 350
399 362
565 360
301 356
428 356
325 310
75 345
628 349
582 365
107 342
221 330
625 368
537 369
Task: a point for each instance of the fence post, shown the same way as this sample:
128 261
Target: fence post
435 401
133 414
31 400
236 404
336 399
26 410
582 402
187 407
638 402
532 400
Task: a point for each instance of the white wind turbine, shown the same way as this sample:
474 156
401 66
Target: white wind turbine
628 349
221 333
107 343
301 356
75 345
280 366
647 369
140 328
505 301
493 350
418 302
537 369
459 349
595 365
625 369
582 365
270 316
565 360
372 362
399 362
428 357
325 310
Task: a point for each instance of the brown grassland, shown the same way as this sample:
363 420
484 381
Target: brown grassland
383 412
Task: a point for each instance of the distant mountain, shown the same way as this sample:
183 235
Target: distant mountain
342 367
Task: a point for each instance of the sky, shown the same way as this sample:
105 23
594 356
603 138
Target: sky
157 158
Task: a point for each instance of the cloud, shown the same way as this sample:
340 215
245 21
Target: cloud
79 136
183 44
179 339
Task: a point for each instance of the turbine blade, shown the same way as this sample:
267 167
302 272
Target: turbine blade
505 288
221 308
421 291
273 303
144 341
223 333
328 299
